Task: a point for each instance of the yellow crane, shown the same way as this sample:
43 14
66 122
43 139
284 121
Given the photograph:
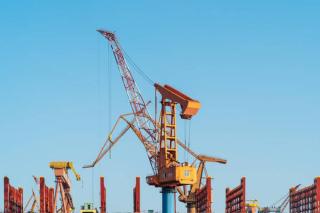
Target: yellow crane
252 206
33 199
63 184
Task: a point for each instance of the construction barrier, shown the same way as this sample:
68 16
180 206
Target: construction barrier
103 196
13 198
306 200
204 198
136 196
46 197
236 198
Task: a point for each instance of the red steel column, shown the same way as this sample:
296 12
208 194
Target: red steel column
46 197
317 189
20 202
13 198
51 200
103 196
42 195
209 194
6 195
136 196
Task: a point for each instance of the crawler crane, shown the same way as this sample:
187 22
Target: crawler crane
63 184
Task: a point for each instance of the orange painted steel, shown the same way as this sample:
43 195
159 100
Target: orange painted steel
306 200
204 198
136 196
13 198
46 197
189 106
171 173
236 198
103 196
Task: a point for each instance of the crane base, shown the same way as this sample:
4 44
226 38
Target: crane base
168 201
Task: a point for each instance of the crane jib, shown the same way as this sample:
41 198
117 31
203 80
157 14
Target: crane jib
138 106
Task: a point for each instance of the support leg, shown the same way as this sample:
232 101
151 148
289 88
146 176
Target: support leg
168 201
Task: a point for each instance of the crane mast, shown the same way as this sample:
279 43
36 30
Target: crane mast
159 138
138 105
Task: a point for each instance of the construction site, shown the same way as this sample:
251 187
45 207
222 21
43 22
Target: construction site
151 153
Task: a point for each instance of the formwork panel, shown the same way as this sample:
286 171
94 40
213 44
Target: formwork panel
204 198
306 200
13 198
236 198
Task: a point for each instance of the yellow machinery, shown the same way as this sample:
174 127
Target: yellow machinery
252 206
189 196
88 208
33 200
63 184
35 203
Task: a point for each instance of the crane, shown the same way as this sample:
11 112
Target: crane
138 105
281 208
189 197
63 184
33 199
172 173
252 206
146 128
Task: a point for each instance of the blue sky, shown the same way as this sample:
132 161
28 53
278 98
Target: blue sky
254 65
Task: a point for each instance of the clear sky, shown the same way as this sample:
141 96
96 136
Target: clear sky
254 65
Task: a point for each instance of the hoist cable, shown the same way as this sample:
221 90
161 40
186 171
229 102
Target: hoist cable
185 139
137 68
109 73
92 184
189 136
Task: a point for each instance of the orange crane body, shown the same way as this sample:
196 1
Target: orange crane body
170 172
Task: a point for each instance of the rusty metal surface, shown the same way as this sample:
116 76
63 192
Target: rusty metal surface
204 198
236 198
13 198
46 197
306 200
136 196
